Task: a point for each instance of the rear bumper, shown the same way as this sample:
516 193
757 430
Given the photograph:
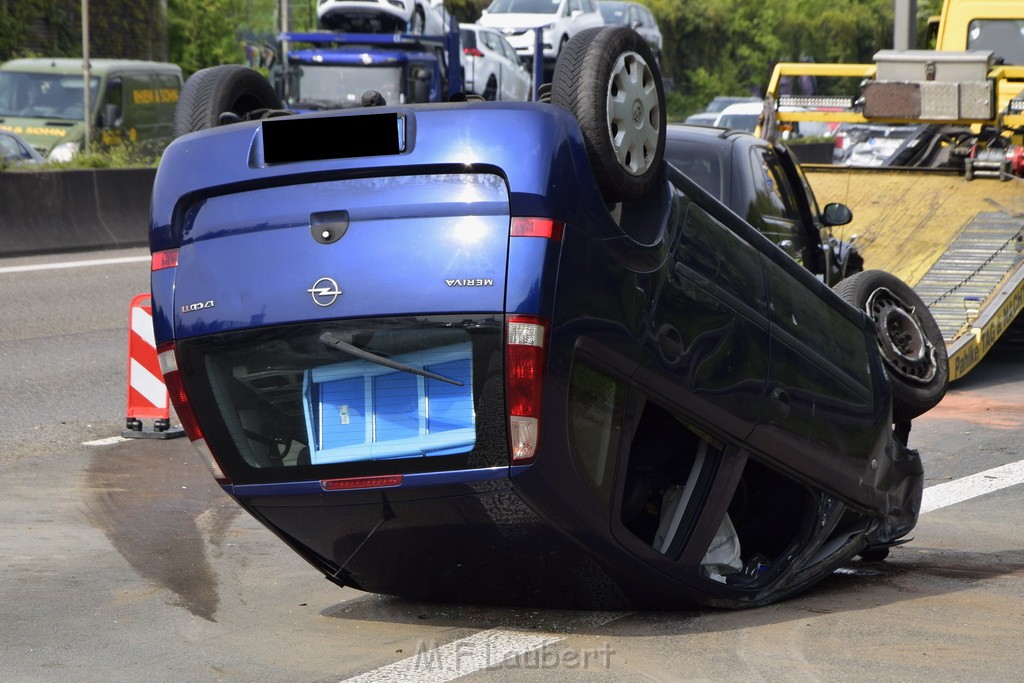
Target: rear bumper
462 536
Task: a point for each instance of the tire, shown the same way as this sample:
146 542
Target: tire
491 91
608 79
418 22
208 93
908 336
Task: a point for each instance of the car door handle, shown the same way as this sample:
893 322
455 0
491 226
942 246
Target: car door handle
780 399
328 227
670 343
688 274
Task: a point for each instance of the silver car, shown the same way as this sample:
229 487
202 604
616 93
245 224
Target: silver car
490 65
635 16
14 150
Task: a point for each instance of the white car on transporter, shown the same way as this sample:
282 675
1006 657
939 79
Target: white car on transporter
559 20
490 65
419 17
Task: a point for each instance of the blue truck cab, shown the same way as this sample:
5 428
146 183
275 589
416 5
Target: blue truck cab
331 70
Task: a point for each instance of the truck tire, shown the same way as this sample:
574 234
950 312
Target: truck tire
608 79
208 93
908 336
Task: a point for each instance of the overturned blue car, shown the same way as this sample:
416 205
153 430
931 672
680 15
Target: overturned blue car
505 353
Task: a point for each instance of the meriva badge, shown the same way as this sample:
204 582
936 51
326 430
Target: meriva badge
472 282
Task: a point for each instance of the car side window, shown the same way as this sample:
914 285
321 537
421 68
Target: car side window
490 41
510 52
775 211
781 201
9 148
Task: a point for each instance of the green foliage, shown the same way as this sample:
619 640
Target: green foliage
202 33
53 28
729 47
124 155
466 10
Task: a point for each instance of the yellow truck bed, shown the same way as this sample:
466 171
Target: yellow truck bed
957 242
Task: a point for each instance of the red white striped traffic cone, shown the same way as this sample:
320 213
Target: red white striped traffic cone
147 393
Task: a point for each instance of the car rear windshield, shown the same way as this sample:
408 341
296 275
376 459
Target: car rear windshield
350 398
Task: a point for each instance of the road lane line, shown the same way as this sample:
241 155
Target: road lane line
494 648
109 441
959 490
74 264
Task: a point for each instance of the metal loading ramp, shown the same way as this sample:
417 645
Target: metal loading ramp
954 241
970 272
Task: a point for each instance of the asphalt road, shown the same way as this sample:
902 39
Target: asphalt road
123 562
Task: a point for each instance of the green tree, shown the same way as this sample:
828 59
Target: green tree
729 47
204 33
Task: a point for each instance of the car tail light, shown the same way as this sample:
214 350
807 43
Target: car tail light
382 481
472 52
164 259
168 358
526 353
537 227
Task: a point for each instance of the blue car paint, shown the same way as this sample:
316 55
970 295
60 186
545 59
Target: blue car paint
529 534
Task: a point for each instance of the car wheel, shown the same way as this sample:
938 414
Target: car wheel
491 91
418 23
229 89
908 337
608 79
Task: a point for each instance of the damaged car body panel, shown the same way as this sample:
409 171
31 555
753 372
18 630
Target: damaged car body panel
448 369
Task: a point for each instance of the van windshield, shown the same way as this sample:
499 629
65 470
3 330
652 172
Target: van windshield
44 95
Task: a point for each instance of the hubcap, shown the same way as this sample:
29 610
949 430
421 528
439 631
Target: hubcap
903 343
634 115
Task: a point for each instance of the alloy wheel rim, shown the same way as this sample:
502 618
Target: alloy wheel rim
634 113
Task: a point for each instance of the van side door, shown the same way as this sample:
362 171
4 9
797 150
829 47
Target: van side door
708 345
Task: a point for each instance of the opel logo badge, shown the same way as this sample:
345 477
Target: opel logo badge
324 291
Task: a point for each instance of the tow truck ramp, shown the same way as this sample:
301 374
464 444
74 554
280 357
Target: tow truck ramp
957 242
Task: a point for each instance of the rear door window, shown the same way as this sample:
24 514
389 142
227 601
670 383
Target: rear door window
337 399
776 211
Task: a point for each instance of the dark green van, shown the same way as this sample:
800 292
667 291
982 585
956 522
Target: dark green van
43 101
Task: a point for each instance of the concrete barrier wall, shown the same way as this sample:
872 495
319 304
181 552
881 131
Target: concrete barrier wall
74 210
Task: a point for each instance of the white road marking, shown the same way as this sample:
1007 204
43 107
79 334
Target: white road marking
959 490
60 265
494 648
109 441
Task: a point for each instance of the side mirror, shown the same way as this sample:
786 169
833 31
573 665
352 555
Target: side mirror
110 116
575 13
836 214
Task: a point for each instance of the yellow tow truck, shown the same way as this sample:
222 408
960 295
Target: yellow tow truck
947 216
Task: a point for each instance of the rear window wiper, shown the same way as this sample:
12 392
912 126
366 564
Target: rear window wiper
329 339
